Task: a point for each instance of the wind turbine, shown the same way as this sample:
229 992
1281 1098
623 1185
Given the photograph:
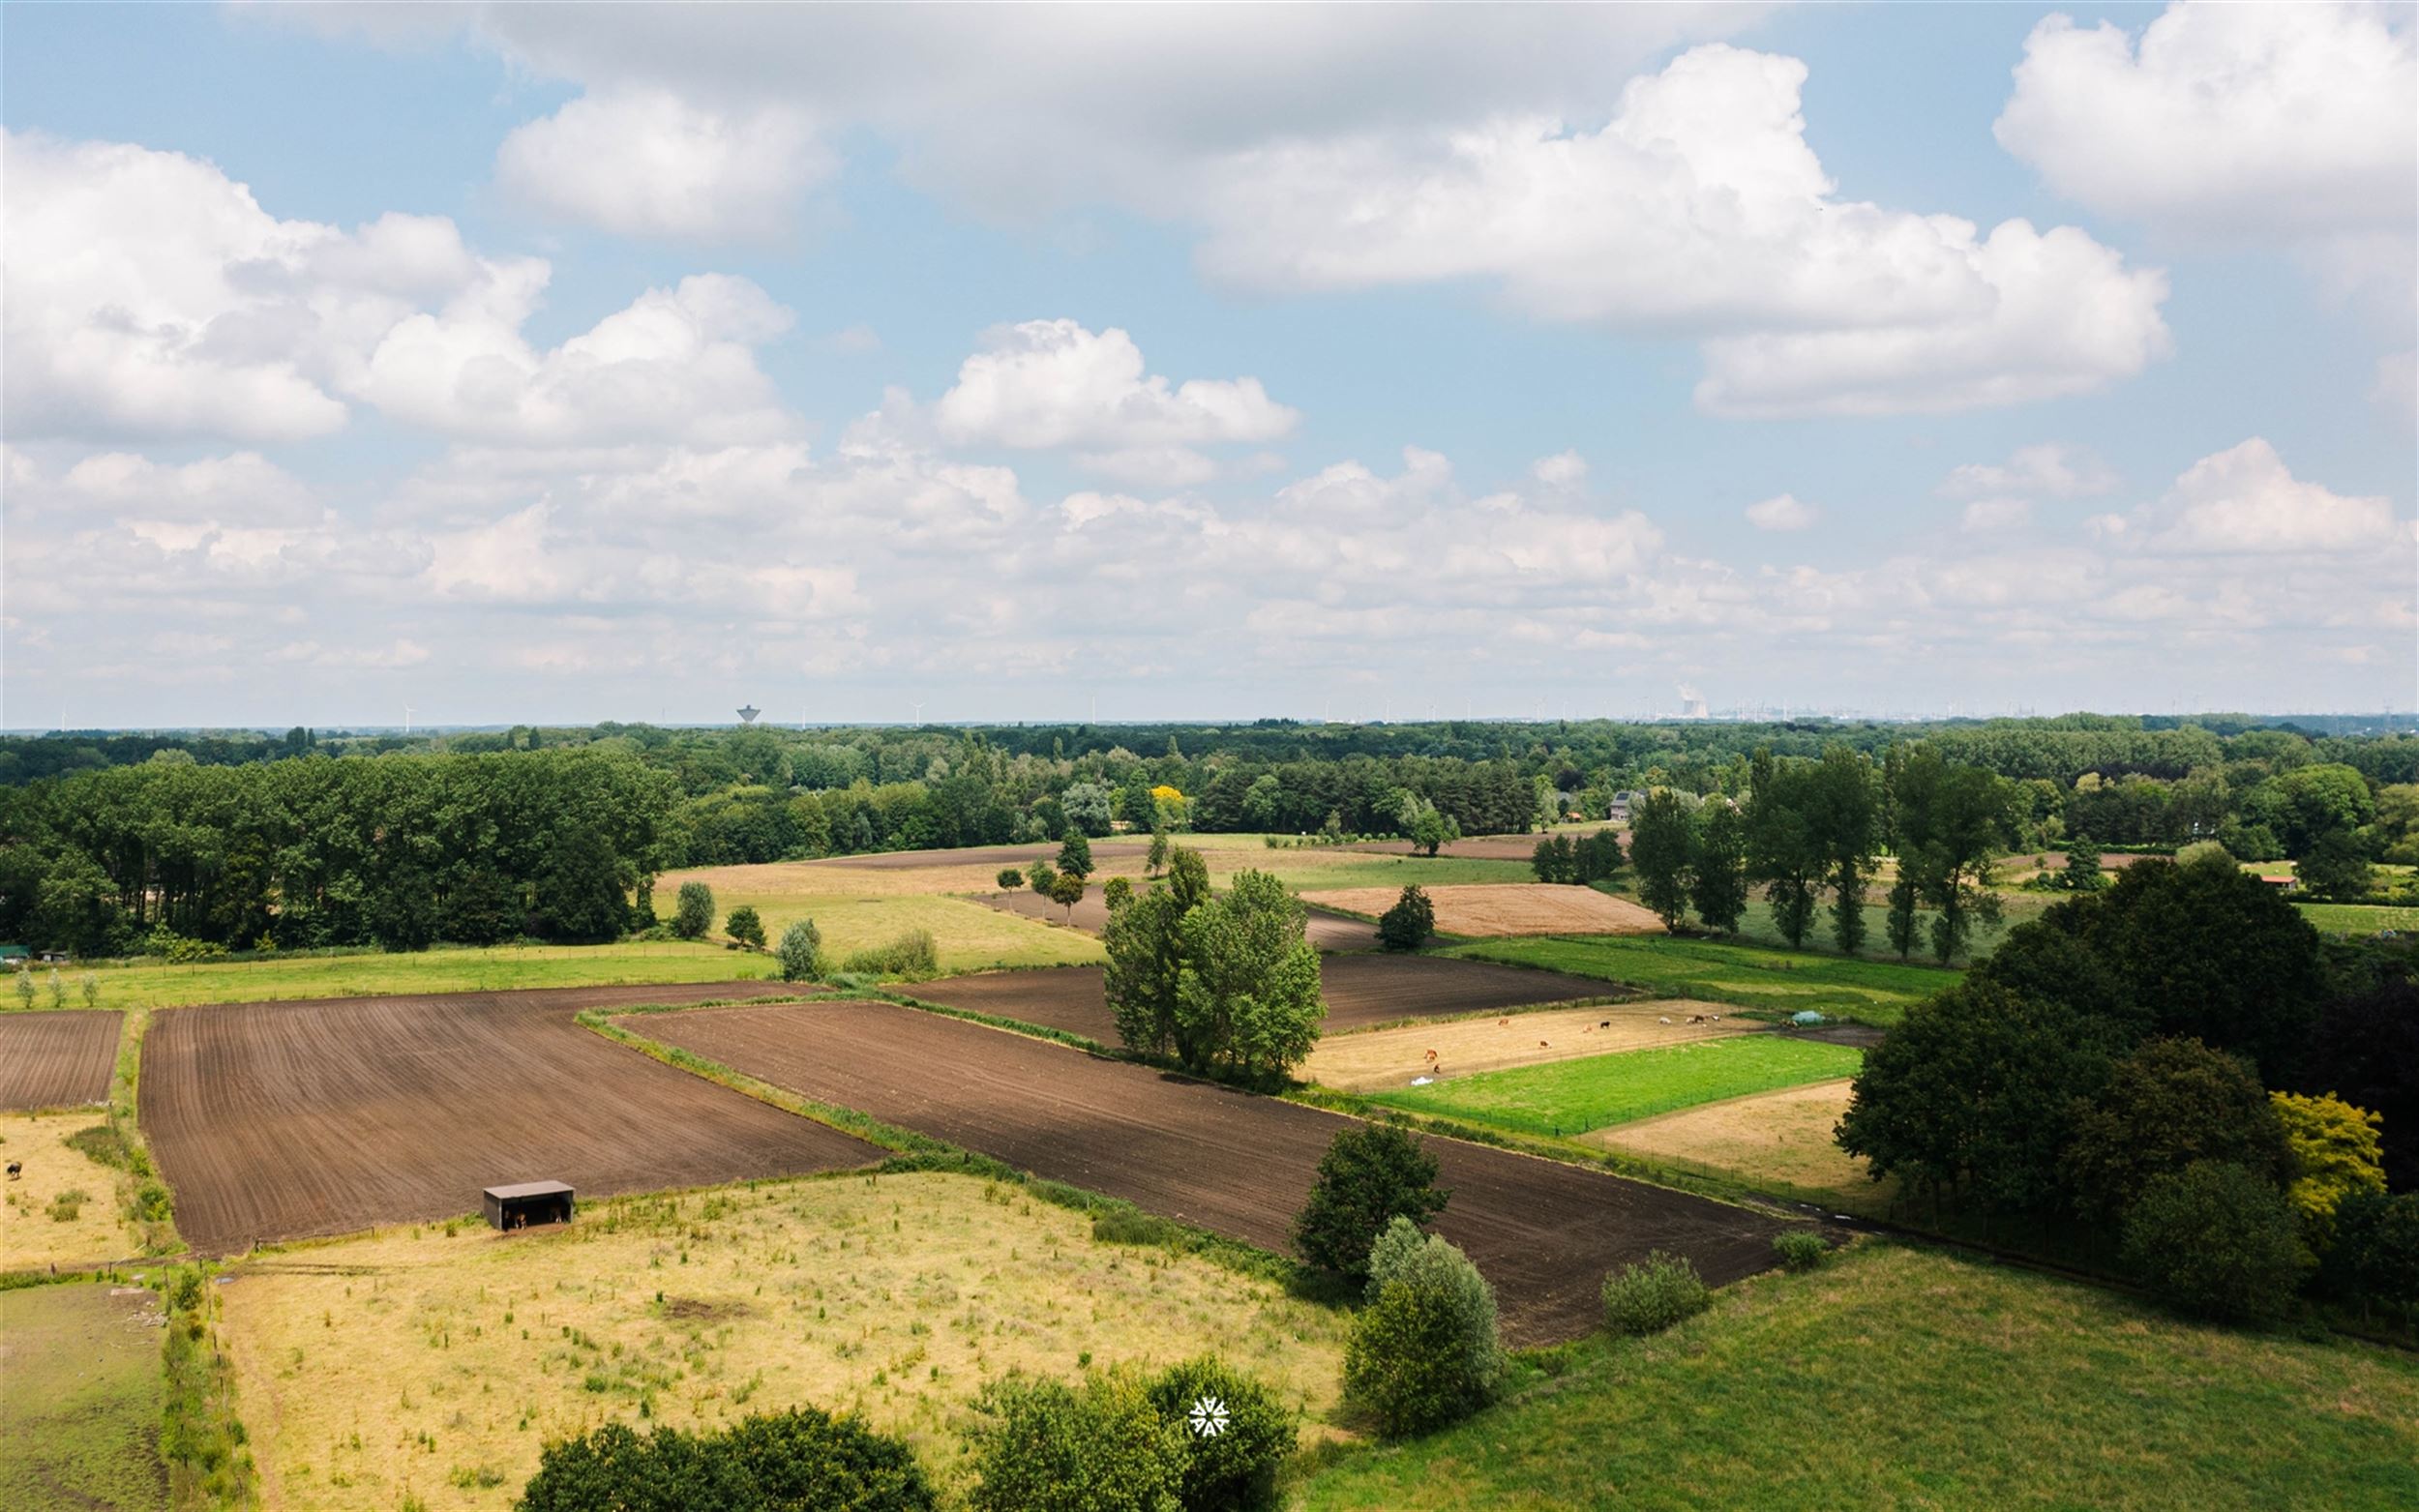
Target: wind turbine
406 718
920 712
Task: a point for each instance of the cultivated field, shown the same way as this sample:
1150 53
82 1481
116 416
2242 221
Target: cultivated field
1386 1058
896 1298
79 1411
280 1120
1894 1377
1360 990
1512 909
1226 1161
1325 931
43 1223
1747 976
1484 847
1573 1096
448 969
1772 1138
56 1059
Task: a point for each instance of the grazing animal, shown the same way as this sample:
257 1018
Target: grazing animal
1714 1018
1541 1045
1696 1017
16 1168
1666 1019
1606 1024
1500 1022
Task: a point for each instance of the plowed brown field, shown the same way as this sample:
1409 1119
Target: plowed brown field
1240 1164
56 1059
1324 930
282 1120
1480 909
1360 990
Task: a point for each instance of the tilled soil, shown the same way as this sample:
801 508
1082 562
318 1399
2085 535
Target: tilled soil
56 1059
1230 1162
1324 930
286 1119
1360 990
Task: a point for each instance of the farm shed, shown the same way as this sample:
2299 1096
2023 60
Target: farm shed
527 1203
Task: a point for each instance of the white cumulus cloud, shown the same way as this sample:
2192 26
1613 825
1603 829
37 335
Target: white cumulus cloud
2245 501
1052 384
645 163
1783 512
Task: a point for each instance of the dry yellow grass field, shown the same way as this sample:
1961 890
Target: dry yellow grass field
417 1364
1507 909
966 936
1782 1137
30 1238
1382 1059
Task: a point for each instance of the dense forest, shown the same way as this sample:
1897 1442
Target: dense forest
111 844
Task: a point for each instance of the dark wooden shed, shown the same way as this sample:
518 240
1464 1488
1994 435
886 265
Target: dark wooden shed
528 1203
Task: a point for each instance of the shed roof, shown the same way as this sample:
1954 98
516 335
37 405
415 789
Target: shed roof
528 1189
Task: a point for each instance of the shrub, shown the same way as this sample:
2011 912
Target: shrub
2376 1258
800 1458
1406 925
1010 879
2335 1154
67 1205
1235 1468
1118 891
2218 1239
1369 1176
1131 1226
1654 1294
1801 1249
746 927
912 956
1102 1447
100 1143
693 914
801 952
1424 1351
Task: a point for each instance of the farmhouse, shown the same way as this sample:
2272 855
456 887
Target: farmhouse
528 1203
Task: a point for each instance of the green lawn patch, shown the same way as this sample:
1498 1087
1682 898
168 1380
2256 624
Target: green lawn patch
79 1416
1897 1377
1574 1096
1750 976
2358 918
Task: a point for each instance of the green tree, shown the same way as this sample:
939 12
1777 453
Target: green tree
1431 831
1234 1470
1660 838
1041 876
1845 818
1145 944
1248 996
1424 1351
1555 860
1066 890
1086 808
1717 878
693 912
2084 873
2168 1104
1010 880
580 888
1118 891
1370 1175
2335 1154
745 926
2335 868
2375 1261
2217 1240
1784 853
1075 855
1102 1446
800 1458
1948 820
801 952
1156 860
1406 925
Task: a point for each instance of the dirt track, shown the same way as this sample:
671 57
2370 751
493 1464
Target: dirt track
1324 930
1360 990
56 1059
1240 1164
282 1120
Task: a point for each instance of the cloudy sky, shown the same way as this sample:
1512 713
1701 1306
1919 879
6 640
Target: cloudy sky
549 363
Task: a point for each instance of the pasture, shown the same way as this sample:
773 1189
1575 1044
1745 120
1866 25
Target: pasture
43 1220
1571 1097
1385 1059
1324 930
280 1120
56 1059
1900 1377
1747 976
374 974
1773 1141
1229 1162
1474 913
1360 990
968 936
432 1366
2359 918
80 1415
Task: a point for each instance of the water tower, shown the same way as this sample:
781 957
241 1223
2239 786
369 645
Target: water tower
748 713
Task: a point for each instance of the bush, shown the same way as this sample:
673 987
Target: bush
1406 925
67 1205
1118 891
1235 1468
801 952
2218 1239
1654 1294
802 1458
911 956
2375 1259
1010 879
1801 1249
746 927
693 914
1132 1226
100 1143
1103 1447
1369 1176
1424 1351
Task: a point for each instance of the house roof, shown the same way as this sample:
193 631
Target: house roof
527 1189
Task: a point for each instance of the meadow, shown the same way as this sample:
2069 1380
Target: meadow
1571 1097
1747 976
1899 1377
79 1417
64 1209
433 1362
445 969
1774 1141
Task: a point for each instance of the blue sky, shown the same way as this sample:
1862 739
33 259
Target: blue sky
895 449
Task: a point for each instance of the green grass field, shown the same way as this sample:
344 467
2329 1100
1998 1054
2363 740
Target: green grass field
1311 871
444 971
1573 1096
1894 1377
79 1414
2357 918
1748 976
